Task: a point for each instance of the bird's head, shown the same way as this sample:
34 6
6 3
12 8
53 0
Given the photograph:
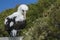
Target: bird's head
23 8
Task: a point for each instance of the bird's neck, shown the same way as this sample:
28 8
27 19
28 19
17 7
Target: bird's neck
19 11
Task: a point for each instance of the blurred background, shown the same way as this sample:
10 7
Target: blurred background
43 20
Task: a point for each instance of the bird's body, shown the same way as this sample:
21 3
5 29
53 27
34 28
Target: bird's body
19 16
17 20
9 24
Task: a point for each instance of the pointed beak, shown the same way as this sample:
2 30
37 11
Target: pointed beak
24 13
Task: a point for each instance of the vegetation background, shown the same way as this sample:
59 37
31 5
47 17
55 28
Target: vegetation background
43 21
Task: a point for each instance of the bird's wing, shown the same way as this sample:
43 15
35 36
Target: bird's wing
13 15
5 21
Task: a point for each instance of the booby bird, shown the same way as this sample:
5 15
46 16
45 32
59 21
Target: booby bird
17 20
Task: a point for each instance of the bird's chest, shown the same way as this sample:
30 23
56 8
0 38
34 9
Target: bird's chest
19 18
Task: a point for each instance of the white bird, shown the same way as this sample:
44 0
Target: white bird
17 19
20 14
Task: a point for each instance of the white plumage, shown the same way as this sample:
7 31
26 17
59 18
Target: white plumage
13 32
5 21
20 14
11 24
